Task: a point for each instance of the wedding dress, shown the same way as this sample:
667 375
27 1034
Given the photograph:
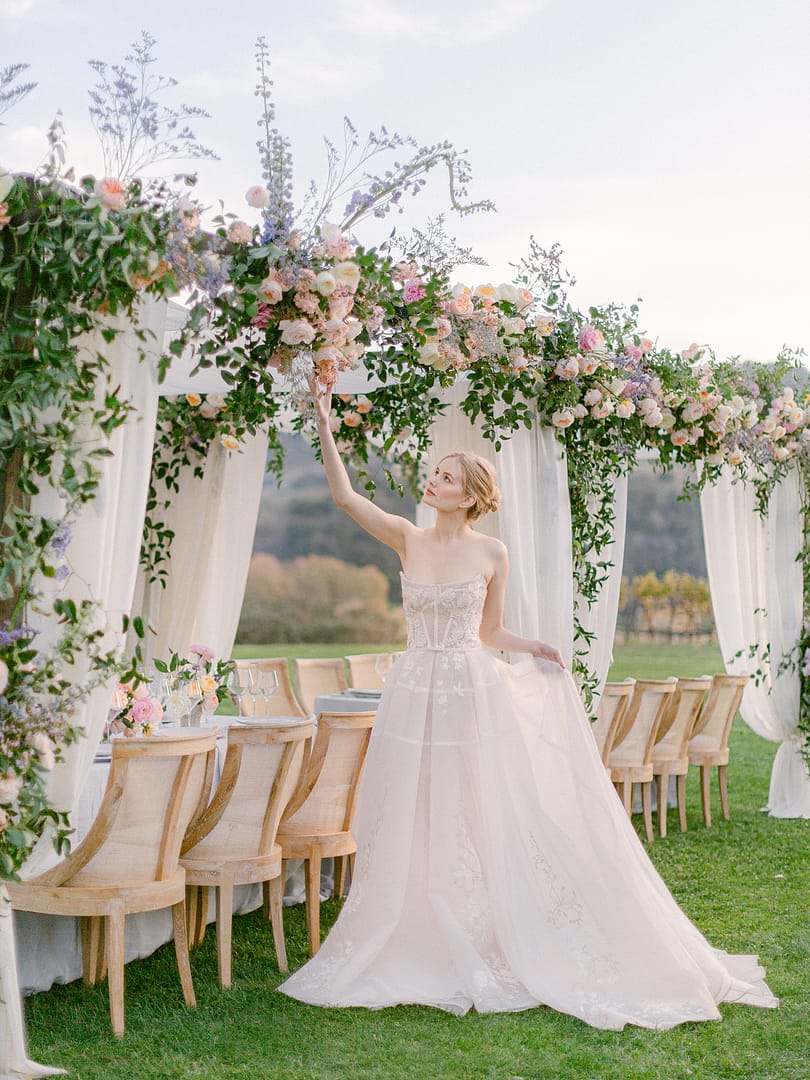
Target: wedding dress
496 868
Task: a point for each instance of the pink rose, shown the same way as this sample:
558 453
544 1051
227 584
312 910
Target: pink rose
257 196
590 338
414 290
296 331
567 368
602 409
141 710
562 418
10 788
111 192
634 352
593 397
205 653
625 408
524 299
679 437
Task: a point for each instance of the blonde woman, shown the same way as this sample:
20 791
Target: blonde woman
496 868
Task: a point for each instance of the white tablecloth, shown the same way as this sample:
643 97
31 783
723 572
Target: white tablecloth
347 701
49 946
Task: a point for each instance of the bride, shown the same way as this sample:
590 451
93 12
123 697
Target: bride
496 868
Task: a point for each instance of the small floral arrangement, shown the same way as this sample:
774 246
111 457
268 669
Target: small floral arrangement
199 672
135 711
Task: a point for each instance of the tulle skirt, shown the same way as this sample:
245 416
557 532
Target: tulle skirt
497 870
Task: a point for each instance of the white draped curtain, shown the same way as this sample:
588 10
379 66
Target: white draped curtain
103 557
534 521
757 596
214 521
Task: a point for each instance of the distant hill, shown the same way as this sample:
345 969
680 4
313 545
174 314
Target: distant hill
299 518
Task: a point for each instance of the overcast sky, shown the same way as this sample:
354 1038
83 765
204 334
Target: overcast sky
663 144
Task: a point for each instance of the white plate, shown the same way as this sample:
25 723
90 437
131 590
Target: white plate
104 752
356 692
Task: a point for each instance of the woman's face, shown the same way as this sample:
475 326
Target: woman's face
445 490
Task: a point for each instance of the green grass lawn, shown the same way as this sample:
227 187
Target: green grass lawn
744 882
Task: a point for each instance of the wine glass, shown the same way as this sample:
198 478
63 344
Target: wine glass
254 686
383 663
235 686
268 681
194 695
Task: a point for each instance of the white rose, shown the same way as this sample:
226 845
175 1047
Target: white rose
579 411
331 236
625 408
217 400
258 197
461 290
780 453
324 283
600 411
617 386
735 457
296 331
6 183
513 326
667 420
348 273
430 354
10 788
508 293
45 749
3 676
653 418
272 290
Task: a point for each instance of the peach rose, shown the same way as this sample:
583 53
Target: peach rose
296 331
229 440
603 409
487 292
352 419
544 324
271 290
348 273
193 400
10 788
524 299
111 192
593 397
462 306
562 418
625 408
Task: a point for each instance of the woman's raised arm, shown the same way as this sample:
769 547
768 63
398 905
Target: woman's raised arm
391 529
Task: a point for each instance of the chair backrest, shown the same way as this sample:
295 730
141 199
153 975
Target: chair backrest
678 721
325 797
363 670
262 769
714 722
283 702
314 677
157 786
642 719
610 712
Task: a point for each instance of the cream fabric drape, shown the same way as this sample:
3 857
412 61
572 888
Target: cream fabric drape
533 521
103 556
756 587
214 521
600 619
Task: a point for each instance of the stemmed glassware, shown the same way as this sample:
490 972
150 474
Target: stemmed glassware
254 686
269 684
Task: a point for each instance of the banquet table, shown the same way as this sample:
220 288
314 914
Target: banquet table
348 701
49 946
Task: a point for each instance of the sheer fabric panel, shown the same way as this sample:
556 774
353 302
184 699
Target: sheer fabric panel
756 586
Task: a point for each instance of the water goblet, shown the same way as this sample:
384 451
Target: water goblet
383 663
269 684
254 686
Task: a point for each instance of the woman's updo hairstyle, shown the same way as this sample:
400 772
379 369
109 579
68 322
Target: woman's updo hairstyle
479 481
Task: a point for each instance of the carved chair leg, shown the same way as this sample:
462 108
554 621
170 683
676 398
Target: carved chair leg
314 900
646 806
114 934
723 780
275 898
181 952
224 926
705 795
93 949
661 792
681 783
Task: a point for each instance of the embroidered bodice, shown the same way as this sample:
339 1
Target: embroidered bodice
444 616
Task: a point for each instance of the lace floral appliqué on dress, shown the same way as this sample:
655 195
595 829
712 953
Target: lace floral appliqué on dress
496 868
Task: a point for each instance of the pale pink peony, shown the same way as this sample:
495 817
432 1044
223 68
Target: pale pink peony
204 652
634 352
112 193
257 196
296 331
141 711
692 352
590 338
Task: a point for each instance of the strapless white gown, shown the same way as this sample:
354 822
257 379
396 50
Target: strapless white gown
496 868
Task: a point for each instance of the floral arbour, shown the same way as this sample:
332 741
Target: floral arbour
294 294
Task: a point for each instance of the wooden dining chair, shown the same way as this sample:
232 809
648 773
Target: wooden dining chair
129 860
670 753
233 842
363 670
610 712
314 677
284 701
630 759
317 824
709 743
